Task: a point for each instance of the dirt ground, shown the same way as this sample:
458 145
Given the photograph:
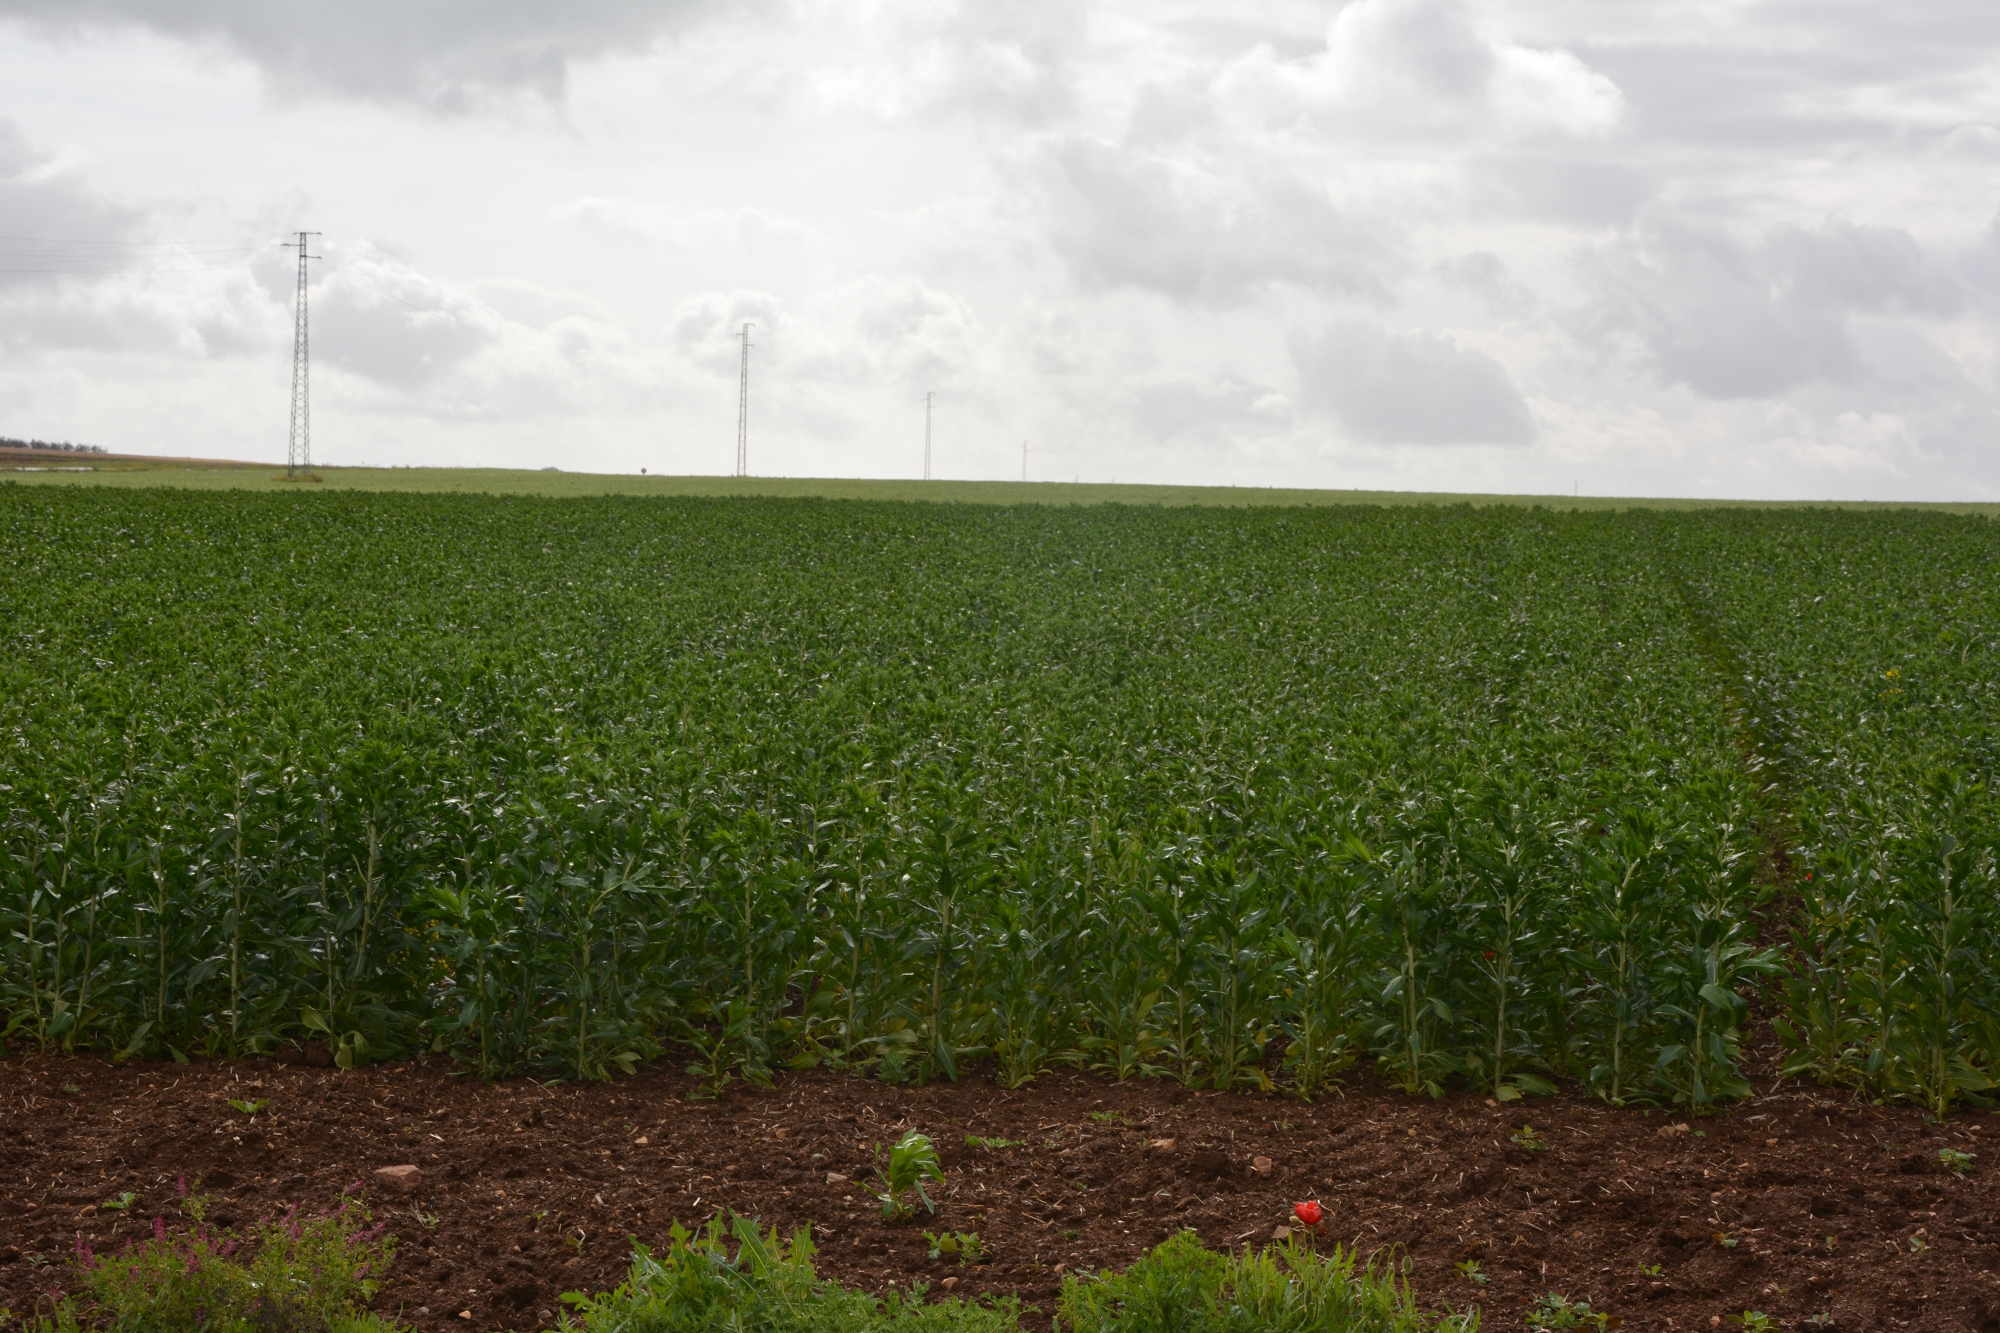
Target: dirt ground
1798 1203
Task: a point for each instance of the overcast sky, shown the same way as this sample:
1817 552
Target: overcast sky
1715 249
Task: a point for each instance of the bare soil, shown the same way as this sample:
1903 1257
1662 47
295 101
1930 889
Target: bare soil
1797 1203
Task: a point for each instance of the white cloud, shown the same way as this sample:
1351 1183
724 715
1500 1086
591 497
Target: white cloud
1423 69
1210 233
1736 318
617 220
443 55
1409 388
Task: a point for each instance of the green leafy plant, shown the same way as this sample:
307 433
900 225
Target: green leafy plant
249 1108
1527 1136
1957 1162
1552 1312
964 1246
1180 1287
120 1203
1108 1117
1470 1270
1756 1321
911 1164
732 1276
313 1274
993 1144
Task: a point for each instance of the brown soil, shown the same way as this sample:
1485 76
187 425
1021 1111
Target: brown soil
1795 1203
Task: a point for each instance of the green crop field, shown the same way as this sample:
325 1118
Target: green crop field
1235 796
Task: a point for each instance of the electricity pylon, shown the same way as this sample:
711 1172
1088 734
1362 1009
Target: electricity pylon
298 449
743 410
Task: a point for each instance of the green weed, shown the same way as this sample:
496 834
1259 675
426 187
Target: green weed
912 1163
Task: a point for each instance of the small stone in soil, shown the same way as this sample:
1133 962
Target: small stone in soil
1261 1165
403 1178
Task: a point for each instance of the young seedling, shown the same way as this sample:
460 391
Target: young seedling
1755 1321
1918 1245
1469 1270
965 1246
913 1161
1527 1136
1650 1270
250 1108
1958 1162
121 1203
1725 1240
1824 1319
429 1220
993 1145
1553 1313
1108 1117
1069 1235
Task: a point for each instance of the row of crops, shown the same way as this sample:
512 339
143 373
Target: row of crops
1234 797
1869 677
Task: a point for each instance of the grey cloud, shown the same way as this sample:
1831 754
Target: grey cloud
1746 320
54 219
78 270
446 55
1228 402
1753 77
1486 276
1409 388
393 327
1016 57
1127 218
1399 69
1570 188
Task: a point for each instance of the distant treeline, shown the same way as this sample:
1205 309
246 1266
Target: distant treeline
53 446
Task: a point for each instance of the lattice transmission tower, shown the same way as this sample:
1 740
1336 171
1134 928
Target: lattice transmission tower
743 410
927 435
298 450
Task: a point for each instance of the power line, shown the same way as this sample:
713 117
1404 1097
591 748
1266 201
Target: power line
121 272
743 410
298 449
70 240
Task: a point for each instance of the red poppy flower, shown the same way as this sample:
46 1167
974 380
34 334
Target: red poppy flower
1309 1212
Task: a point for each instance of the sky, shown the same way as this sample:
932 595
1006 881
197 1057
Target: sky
1556 246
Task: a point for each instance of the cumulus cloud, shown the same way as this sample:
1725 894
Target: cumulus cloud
51 214
1209 234
445 55
78 270
1424 68
1227 404
386 322
1409 388
1009 59
1735 318
616 220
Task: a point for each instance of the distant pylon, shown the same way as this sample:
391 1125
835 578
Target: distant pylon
1024 460
927 435
298 449
743 410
